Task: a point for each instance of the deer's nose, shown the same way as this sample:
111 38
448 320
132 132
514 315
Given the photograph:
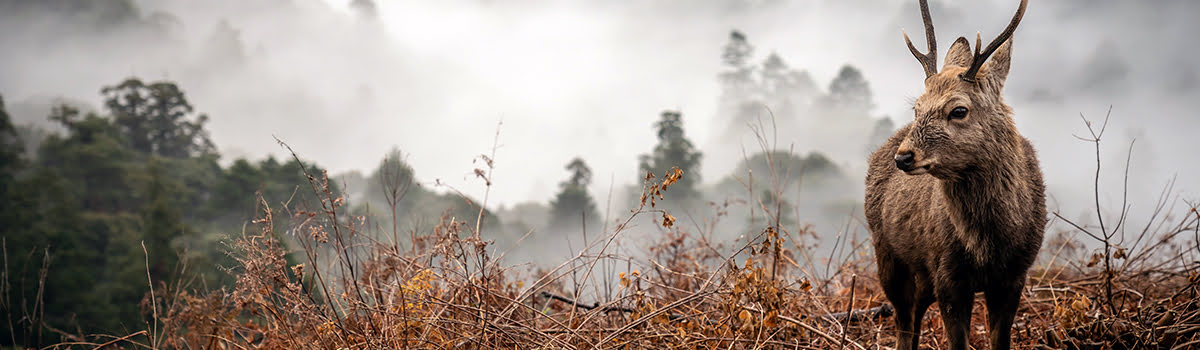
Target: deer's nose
904 160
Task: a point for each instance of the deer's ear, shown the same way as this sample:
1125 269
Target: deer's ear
995 70
960 53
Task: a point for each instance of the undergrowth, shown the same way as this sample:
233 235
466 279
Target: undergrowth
344 289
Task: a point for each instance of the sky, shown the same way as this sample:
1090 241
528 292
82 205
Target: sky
546 81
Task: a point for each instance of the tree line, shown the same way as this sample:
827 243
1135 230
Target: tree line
116 201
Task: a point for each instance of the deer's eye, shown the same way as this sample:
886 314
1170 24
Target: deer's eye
958 113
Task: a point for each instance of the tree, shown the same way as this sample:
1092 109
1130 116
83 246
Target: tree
737 51
850 92
749 91
737 81
785 169
673 150
156 119
393 182
784 88
93 160
52 261
161 224
883 129
573 206
233 199
224 47
11 149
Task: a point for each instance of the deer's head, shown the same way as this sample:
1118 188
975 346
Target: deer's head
961 121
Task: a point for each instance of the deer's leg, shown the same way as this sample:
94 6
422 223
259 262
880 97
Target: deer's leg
900 288
955 301
924 299
1001 309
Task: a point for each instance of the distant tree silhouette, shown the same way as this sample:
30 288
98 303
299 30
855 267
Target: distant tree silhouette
673 150
738 79
883 129
573 207
850 92
224 47
755 92
785 90
11 149
738 50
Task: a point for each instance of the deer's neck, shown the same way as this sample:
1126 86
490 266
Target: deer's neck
984 205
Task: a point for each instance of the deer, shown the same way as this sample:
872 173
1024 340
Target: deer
955 202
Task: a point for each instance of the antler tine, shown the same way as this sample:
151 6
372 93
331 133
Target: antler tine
977 63
928 60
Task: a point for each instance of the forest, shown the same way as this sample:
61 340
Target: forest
125 224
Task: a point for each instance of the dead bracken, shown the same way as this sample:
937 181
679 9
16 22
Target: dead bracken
445 293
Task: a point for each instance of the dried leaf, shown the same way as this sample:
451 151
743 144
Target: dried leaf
1081 303
298 270
673 176
772 319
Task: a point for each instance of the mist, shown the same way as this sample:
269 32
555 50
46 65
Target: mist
543 82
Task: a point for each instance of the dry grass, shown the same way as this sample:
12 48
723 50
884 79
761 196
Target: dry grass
349 290
446 292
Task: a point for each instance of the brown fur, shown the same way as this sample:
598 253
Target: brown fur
973 220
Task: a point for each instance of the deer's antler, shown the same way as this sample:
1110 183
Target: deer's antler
977 63
928 60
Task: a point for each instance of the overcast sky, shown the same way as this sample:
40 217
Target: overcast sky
588 78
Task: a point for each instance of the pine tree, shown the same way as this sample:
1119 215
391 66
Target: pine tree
673 150
573 207
880 132
785 89
850 92
737 81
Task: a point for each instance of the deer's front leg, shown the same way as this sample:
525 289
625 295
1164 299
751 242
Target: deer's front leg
1002 303
899 286
955 301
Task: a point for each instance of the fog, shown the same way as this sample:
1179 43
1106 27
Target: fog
438 79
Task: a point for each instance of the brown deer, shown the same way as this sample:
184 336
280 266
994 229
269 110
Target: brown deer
954 200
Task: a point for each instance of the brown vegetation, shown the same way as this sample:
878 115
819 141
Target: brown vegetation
353 291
